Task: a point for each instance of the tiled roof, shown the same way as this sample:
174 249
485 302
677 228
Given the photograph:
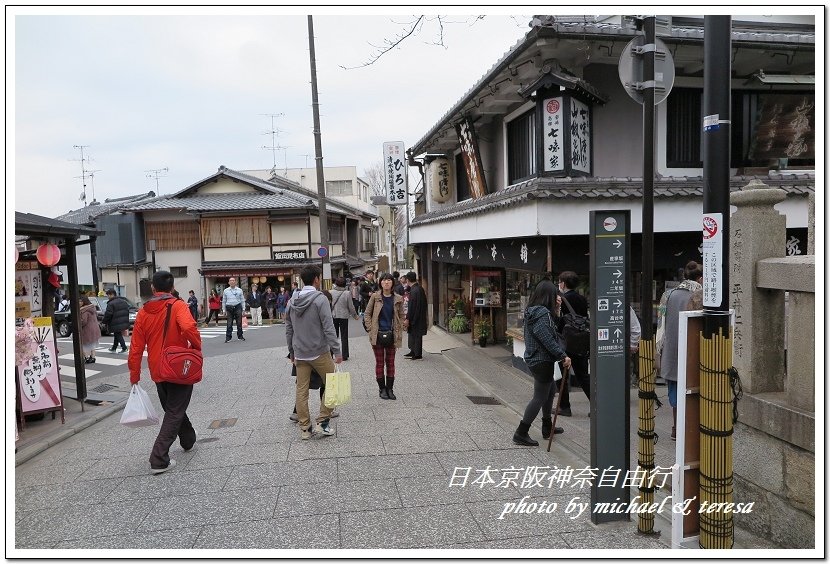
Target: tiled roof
591 188
88 214
587 27
275 194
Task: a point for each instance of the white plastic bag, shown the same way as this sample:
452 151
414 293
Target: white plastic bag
139 411
557 372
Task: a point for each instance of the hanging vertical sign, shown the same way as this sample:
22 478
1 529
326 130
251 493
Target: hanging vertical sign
39 382
712 259
580 136
28 294
394 167
471 156
552 135
441 180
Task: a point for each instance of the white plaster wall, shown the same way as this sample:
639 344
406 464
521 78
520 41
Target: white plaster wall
192 260
237 253
83 260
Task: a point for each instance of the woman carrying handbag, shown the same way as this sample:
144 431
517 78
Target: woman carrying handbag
383 320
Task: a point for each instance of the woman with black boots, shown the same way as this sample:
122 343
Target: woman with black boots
384 314
543 349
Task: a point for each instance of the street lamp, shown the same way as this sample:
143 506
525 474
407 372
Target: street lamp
151 244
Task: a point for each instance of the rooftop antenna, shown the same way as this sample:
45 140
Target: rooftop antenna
273 133
155 173
91 174
83 170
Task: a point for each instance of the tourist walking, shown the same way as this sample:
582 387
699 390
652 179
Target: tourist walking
312 341
384 321
270 302
149 333
568 282
254 302
193 305
214 306
354 288
90 330
543 349
342 309
117 319
282 302
416 318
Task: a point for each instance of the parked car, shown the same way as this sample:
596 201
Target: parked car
63 319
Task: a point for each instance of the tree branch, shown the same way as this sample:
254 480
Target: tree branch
389 44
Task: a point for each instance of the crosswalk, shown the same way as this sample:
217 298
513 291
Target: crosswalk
104 357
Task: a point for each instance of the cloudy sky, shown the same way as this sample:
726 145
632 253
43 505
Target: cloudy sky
190 90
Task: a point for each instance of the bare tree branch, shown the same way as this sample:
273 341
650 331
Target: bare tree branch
389 45
374 175
412 28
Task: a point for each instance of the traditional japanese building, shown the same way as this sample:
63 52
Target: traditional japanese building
548 134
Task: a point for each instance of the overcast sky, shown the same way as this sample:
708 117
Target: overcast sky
190 92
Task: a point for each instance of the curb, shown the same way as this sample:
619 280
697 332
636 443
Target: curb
27 453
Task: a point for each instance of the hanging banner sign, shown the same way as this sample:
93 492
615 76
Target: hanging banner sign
394 165
472 158
552 133
712 259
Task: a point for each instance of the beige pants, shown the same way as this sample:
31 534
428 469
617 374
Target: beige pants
323 365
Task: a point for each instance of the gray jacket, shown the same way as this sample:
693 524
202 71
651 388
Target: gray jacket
677 301
309 328
342 307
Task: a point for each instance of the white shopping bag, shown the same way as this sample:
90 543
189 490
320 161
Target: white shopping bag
557 372
139 411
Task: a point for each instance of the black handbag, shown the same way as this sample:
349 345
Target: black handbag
386 338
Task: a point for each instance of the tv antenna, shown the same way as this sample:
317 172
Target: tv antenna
155 173
83 171
273 133
91 175
306 160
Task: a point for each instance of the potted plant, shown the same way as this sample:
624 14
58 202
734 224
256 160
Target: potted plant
484 329
458 324
459 306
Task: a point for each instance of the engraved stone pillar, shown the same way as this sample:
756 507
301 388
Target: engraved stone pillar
757 231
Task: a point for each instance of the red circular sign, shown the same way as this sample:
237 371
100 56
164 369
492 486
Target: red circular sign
553 106
710 227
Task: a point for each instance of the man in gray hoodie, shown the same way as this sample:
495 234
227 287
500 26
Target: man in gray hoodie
312 342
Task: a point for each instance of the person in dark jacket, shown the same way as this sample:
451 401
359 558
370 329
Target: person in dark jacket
367 288
398 286
543 349
416 318
193 305
568 281
254 301
117 318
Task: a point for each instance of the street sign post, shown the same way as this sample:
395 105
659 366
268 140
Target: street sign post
610 236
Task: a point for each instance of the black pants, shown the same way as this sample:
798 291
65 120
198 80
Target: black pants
416 344
212 313
234 312
175 399
341 327
580 366
118 339
544 389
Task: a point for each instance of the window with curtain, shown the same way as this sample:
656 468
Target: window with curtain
235 232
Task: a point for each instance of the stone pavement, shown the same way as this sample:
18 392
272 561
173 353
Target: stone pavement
382 482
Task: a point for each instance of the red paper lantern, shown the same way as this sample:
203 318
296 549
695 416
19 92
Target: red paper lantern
48 254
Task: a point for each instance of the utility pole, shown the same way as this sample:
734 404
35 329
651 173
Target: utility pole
83 170
155 173
716 374
325 279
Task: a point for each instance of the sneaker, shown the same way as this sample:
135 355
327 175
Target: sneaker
325 428
334 414
125 349
227 340
305 435
165 469
113 349
241 338
293 417
89 360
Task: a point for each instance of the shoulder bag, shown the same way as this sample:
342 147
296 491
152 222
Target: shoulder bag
179 365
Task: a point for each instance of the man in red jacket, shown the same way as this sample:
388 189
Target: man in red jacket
175 398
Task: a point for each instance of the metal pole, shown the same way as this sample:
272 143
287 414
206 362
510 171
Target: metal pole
716 424
646 394
318 157
75 308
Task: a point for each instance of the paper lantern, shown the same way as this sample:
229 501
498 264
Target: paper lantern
441 180
48 254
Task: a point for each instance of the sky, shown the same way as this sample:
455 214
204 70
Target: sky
191 89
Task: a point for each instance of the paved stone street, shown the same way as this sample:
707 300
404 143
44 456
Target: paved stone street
382 482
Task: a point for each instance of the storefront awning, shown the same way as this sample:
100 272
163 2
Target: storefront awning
259 268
